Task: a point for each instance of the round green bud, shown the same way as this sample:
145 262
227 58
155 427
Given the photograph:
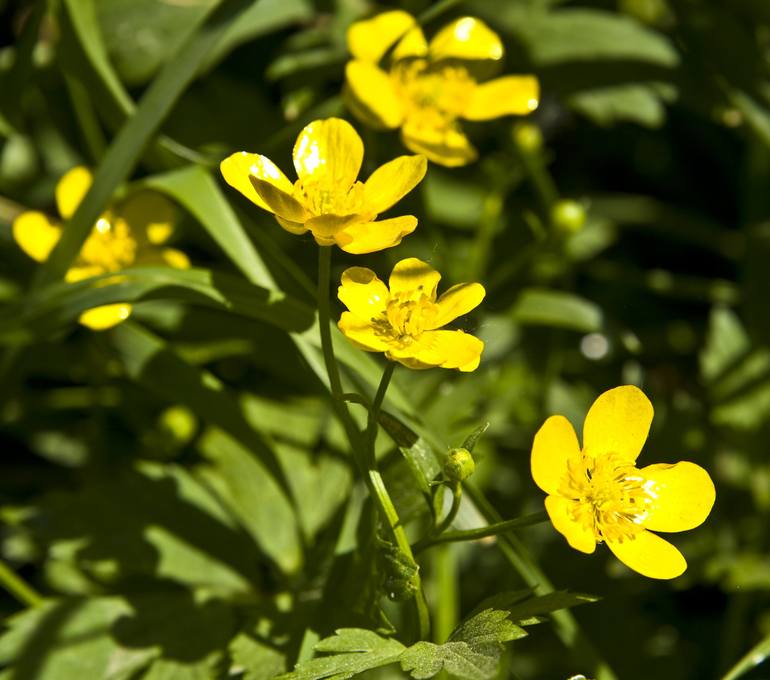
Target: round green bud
568 216
528 137
179 422
459 465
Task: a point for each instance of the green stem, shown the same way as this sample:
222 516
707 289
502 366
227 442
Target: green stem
567 627
371 475
436 10
374 412
447 606
483 532
18 587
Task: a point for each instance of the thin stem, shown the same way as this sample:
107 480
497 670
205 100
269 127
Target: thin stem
324 318
374 412
457 497
359 445
447 605
483 532
567 627
18 587
436 10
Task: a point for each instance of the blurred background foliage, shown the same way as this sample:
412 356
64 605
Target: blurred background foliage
177 487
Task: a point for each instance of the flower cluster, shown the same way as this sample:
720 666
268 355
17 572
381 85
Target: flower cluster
129 233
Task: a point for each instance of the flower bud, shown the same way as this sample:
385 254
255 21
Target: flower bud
459 465
568 216
528 137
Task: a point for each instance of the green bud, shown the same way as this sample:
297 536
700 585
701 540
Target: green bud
459 465
568 216
179 422
528 137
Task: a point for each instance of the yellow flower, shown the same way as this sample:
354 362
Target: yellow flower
127 234
326 199
403 322
428 87
598 494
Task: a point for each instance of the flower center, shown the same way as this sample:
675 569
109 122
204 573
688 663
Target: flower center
613 498
407 316
321 198
438 93
110 246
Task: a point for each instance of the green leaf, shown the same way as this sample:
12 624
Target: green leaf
248 489
353 651
59 305
542 307
472 652
127 148
753 658
70 639
195 189
629 101
255 658
577 34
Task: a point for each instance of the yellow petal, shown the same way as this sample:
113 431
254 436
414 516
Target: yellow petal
361 333
175 258
578 535
362 292
389 183
291 227
78 273
325 227
446 145
71 189
370 95
410 274
240 166
447 349
555 443
106 316
370 39
618 422
517 95
278 201
684 496
413 44
150 214
466 38
36 234
369 237
327 155
458 300
650 555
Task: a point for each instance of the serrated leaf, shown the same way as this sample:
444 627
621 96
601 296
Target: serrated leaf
355 650
542 307
472 651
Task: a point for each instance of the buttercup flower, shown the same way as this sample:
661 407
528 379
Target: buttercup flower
403 322
427 87
326 199
127 234
598 494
